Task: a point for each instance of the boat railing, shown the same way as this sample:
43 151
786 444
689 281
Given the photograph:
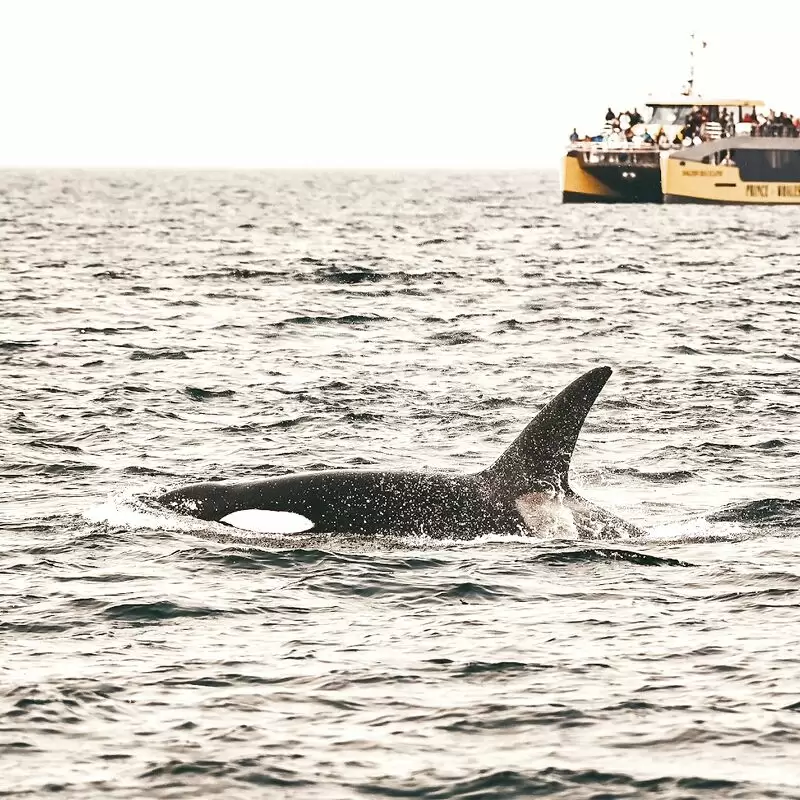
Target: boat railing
775 130
627 147
611 154
772 130
610 145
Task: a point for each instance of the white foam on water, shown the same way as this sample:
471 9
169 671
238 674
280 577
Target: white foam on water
125 509
698 529
545 514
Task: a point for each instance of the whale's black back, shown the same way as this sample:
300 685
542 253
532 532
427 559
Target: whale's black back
374 502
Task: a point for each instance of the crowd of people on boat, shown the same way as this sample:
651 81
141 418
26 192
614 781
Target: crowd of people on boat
699 125
774 124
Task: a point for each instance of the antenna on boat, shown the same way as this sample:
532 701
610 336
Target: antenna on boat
690 83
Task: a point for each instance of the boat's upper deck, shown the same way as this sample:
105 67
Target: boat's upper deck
680 124
706 151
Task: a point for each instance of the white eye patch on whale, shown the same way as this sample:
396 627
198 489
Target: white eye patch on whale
513 495
260 520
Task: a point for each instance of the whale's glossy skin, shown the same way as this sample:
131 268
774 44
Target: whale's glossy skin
525 490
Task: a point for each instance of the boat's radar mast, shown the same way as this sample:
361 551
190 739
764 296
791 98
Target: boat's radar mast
689 90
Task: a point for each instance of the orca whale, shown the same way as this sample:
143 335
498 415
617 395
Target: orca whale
526 491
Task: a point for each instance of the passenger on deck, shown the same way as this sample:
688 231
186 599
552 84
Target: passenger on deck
610 115
724 123
573 137
786 124
695 123
647 138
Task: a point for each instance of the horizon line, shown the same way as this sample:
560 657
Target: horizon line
284 168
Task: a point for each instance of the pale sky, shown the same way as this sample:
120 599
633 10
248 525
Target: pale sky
361 83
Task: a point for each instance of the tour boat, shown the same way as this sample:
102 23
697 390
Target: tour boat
609 169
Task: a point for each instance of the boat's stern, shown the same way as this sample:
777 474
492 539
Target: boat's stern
594 172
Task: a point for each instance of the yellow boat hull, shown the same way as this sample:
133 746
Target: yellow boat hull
578 186
693 182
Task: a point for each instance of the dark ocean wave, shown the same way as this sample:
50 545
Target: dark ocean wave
55 444
776 512
745 598
158 610
347 275
158 353
187 773
454 337
239 273
302 559
198 393
592 555
581 784
135 469
344 319
60 468
113 331
471 591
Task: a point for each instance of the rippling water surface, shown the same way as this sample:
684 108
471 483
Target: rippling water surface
160 328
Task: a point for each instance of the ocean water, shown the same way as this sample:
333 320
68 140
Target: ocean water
158 328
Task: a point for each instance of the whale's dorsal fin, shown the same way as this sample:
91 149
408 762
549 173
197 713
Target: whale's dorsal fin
539 457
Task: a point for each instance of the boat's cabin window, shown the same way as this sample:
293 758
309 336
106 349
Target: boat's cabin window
718 113
769 165
669 115
721 158
678 115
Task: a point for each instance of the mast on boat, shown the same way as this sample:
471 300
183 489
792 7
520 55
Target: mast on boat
689 90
